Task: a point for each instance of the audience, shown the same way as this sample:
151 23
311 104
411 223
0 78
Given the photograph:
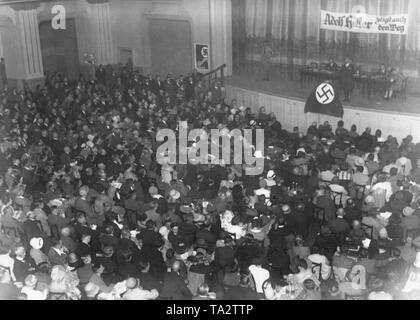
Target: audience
87 212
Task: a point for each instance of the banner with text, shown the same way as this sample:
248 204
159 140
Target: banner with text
365 23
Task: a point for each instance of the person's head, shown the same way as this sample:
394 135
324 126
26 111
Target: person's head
341 213
302 265
56 243
65 232
98 268
20 252
132 283
31 281
176 266
203 290
174 228
309 285
81 218
87 259
86 238
5 276
144 266
83 191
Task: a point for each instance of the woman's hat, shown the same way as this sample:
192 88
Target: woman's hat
153 191
408 211
31 280
91 289
174 194
36 243
201 243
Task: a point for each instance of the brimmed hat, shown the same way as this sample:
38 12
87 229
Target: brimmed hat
153 191
359 162
200 243
417 262
31 280
408 211
36 243
271 174
91 289
199 217
174 194
385 215
185 209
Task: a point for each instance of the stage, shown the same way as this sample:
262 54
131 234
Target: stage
287 100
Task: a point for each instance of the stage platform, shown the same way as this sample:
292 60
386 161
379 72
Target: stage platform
287 100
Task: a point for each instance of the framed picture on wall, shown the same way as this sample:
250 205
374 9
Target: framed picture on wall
202 59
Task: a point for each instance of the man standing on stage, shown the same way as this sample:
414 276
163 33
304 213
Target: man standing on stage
347 79
266 59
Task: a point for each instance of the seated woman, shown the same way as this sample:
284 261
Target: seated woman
396 82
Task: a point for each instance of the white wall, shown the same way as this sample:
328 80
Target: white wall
291 113
129 25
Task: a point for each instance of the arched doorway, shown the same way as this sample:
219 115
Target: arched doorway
59 49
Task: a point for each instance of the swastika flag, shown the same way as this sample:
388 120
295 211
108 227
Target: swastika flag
325 99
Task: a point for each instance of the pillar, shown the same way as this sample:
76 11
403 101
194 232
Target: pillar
28 33
22 47
221 34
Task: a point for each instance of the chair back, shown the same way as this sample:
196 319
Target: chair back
57 296
319 215
368 230
318 273
9 230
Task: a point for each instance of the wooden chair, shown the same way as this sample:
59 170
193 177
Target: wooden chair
40 226
57 296
361 296
318 215
360 190
55 232
337 197
413 233
368 230
313 268
9 230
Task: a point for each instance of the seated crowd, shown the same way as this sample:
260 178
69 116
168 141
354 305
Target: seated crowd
88 213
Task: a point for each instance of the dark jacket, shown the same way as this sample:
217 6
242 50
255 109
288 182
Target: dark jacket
174 287
241 293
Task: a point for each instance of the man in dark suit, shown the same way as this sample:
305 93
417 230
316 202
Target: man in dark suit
241 292
127 268
189 88
174 286
347 79
21 267
101 75
331 66
339 225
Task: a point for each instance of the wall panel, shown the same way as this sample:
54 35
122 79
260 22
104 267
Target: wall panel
291 113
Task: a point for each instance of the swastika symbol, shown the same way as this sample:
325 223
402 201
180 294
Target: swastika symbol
325 93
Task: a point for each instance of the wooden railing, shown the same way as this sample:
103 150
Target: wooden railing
213 75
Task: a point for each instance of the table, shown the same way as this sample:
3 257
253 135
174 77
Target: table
369 81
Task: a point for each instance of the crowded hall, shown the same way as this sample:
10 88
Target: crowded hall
321 203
